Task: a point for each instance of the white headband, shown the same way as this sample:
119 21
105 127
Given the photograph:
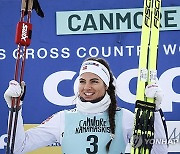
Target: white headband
96 68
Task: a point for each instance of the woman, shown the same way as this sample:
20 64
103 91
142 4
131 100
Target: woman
95 126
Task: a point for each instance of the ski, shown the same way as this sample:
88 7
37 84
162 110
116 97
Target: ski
147 73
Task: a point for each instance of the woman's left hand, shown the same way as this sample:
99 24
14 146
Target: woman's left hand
154 91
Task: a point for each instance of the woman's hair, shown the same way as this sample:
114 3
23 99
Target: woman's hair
111 92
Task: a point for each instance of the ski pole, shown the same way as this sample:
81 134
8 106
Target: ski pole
23 35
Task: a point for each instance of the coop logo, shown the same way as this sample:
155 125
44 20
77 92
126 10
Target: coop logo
24 32
3 140
52 84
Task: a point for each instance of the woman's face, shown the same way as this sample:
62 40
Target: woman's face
91 86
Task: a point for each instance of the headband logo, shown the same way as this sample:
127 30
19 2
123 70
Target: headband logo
91 63
84 67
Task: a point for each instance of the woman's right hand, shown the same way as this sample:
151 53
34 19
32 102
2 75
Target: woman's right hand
14 90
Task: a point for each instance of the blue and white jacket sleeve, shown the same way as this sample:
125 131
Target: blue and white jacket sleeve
45 134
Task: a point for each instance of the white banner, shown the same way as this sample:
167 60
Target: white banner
111 21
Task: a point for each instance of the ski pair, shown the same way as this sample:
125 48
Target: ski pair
143 131
22 39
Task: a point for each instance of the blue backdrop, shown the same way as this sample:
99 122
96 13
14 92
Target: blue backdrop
50 56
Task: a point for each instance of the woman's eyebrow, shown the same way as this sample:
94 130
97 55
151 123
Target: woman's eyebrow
94 79
90 79
81 79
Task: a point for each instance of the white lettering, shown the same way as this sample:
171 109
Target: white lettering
24 32
123 80
138 50
169 49
82 52
42 50
119 51
15 53
30 52
2 54
160 141
54 53
93 49
78 52
130 49
2 141
165 81
50 88
65 53
108 52
170 141
42 53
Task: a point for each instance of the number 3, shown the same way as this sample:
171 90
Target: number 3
93 143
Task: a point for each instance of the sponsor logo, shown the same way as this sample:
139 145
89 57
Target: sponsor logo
24 32
157 13
148 13
123 80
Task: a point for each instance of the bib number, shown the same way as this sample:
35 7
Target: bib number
93 139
